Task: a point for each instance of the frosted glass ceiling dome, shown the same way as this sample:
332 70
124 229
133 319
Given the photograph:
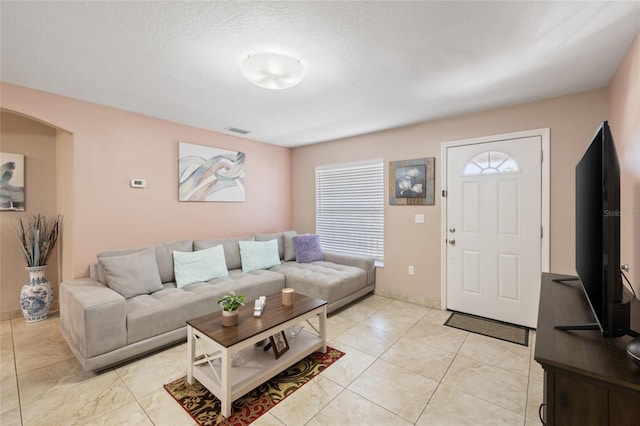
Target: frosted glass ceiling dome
272 70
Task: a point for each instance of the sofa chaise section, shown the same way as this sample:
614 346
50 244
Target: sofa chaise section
337 283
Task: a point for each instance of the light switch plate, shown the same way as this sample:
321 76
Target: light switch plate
419 218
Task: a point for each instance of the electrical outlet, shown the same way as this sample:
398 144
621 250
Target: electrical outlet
411 270
419 218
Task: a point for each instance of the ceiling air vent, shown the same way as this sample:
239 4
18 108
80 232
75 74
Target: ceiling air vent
236 130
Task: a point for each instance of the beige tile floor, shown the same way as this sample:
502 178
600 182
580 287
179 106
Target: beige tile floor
402 367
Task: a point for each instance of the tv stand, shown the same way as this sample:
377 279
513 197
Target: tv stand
588 379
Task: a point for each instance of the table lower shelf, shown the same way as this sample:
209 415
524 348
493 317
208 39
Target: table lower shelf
260 366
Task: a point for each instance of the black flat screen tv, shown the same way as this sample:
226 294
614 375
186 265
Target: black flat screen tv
598 234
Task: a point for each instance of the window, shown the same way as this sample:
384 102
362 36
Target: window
490 162
350 208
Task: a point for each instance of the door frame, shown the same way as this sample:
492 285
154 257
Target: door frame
545 183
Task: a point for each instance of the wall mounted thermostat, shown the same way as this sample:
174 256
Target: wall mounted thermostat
138 183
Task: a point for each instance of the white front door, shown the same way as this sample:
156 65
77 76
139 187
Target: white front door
493 229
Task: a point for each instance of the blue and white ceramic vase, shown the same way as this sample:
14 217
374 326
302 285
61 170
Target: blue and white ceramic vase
36 297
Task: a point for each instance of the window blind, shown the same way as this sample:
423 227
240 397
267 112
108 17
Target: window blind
350 208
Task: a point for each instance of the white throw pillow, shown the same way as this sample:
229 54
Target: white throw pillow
199 266
259 254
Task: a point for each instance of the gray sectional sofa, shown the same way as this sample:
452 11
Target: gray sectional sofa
130 304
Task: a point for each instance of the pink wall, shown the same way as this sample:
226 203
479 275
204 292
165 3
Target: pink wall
110 147
624 119
572 120
37 142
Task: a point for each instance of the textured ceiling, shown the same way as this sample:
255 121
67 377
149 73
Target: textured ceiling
370 65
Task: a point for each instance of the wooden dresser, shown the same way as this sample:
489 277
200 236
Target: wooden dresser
588 379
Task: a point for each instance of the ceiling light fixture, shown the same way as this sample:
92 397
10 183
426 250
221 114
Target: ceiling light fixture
272 70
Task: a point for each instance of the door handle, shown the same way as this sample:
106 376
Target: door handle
452 241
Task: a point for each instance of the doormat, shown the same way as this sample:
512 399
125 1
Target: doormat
204 407
488 327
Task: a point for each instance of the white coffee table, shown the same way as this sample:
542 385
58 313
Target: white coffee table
229 383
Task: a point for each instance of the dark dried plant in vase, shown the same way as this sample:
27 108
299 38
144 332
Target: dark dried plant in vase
38 236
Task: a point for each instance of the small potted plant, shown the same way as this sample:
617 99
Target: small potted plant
230 303
37 236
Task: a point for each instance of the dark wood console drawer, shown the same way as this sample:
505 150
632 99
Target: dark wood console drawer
575 401
588 379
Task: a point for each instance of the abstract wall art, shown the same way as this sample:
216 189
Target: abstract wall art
210 174
412 182
12 182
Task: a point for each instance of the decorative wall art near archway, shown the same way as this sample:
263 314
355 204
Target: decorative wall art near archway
412 182
210 174
12 182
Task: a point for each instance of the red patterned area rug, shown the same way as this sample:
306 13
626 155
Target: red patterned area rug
204 407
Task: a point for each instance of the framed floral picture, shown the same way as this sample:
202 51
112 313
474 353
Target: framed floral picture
412 182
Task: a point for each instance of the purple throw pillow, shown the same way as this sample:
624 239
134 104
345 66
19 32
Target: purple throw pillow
307 248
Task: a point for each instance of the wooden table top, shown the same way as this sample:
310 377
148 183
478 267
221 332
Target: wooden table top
583 352
274 314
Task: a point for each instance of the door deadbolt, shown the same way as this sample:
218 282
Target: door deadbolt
452 229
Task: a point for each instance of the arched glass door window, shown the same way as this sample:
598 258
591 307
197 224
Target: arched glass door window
491 162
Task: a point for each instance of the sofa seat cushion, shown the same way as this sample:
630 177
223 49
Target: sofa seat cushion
149 315
323 280
250 284
169 309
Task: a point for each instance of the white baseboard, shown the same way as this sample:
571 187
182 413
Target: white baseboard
411 299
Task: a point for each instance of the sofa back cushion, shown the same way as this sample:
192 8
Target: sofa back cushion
279 237
289 251
164 257
163 254
132 274
230 247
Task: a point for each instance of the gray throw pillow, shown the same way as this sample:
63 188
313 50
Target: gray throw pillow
307 248
132 274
